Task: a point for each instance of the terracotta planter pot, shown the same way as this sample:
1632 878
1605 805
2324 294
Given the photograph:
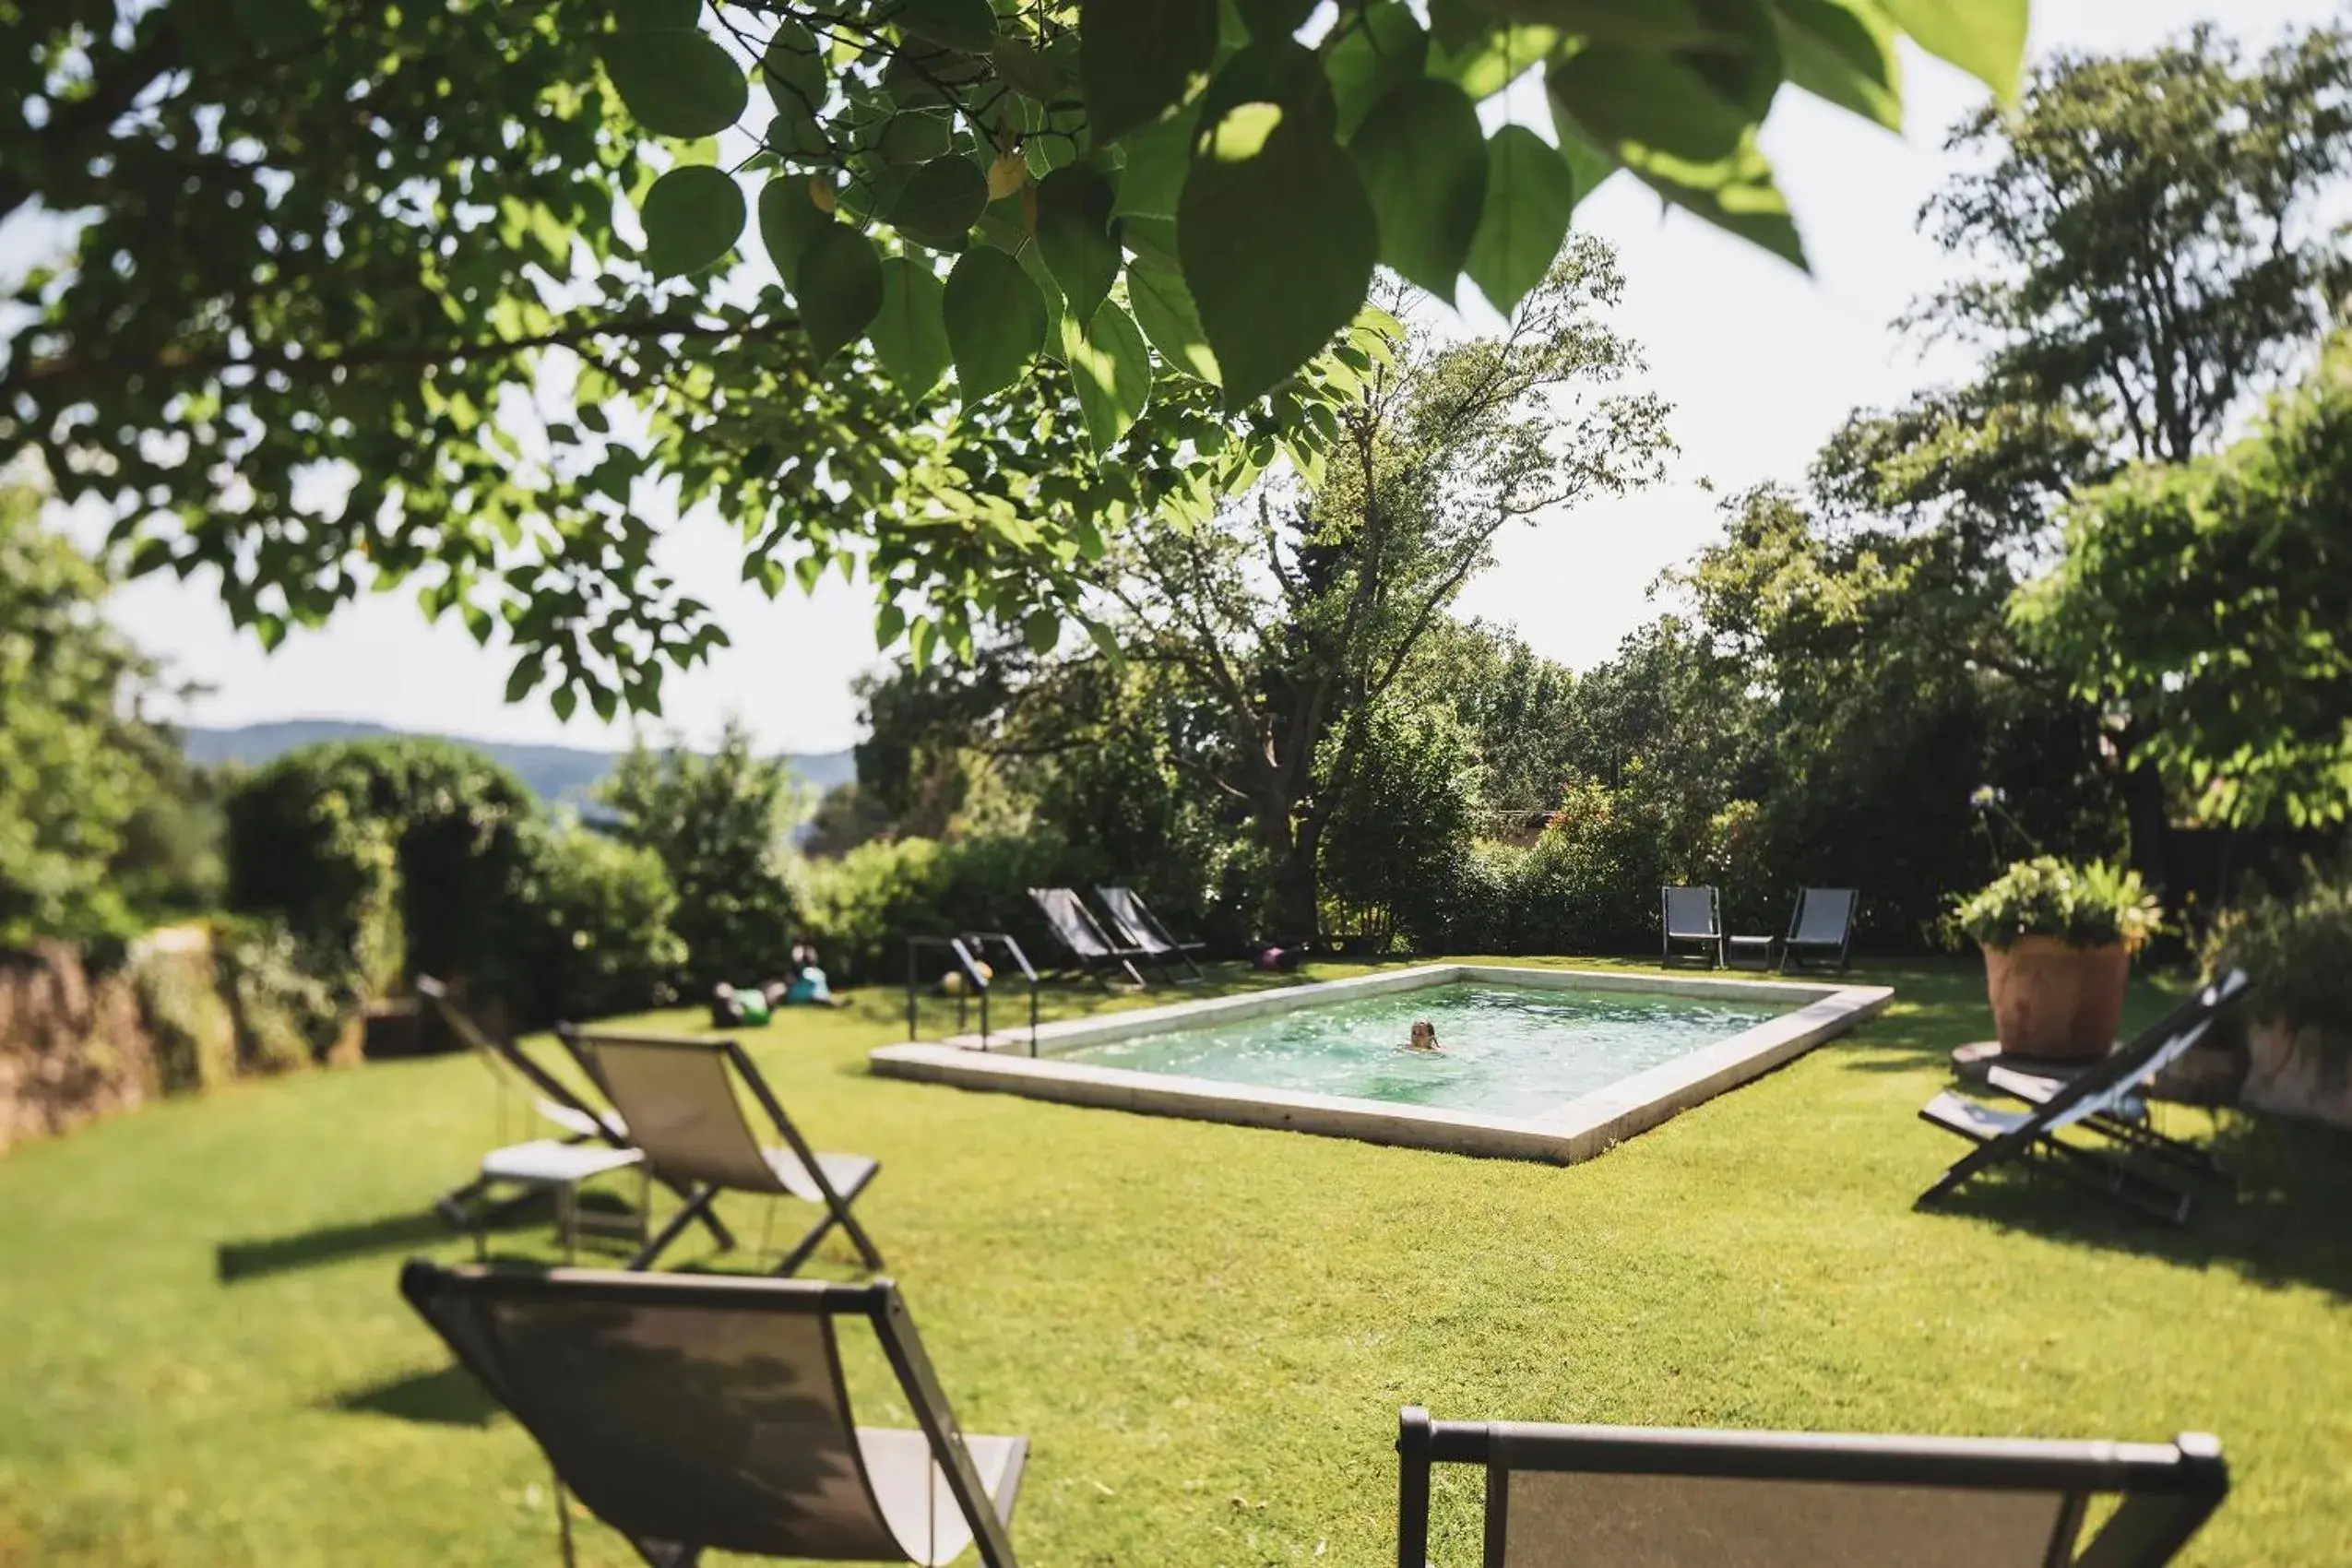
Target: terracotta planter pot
2053 1000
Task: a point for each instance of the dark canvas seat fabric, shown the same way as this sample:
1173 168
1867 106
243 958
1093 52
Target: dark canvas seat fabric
2131 1164
679 1096
1625 1497
1821 927
695 1414
1081 936
1691 917
1132 919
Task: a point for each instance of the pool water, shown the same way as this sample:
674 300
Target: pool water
1504 1050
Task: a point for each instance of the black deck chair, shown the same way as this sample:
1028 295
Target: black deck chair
555 1100
679 1097
1090 949
1821 927
1141 929
1665 1498
1691 916
2096 1100
695 1413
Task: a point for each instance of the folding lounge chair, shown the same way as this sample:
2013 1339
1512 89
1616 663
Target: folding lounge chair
1141 929
1692 915
2099 1099
556 1102
681 1104
1659 1498
700 1414
1091 948
1821 926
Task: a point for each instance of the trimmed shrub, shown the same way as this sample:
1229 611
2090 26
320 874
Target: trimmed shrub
594 929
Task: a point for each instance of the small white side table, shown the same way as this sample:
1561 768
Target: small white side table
560 1167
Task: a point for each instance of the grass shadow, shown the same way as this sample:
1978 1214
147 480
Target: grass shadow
450 1397
235 1262
2281 1224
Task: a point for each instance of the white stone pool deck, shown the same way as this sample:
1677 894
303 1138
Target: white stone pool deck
1575 1130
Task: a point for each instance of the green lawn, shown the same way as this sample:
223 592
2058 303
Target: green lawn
1206 1331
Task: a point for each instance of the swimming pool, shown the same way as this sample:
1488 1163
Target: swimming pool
1537 1064
1513 1050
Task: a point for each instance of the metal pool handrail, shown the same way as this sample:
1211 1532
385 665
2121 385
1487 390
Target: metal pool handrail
979 941
965 950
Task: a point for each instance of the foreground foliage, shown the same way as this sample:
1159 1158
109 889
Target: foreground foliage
1205 1331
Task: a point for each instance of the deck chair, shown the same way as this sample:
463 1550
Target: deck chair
679 1097
1692 915
557 1102
700 1414
2098 1100
1820 927
1141 929
1090 949
1663 1498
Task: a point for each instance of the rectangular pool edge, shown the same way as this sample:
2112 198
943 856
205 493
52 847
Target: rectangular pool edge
1573 1131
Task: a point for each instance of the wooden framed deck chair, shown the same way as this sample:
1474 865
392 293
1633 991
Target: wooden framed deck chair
1132 919
1565 1496
697 1414
679 1097
1691 917
2107 1098
1821 927
1089 947
561 1162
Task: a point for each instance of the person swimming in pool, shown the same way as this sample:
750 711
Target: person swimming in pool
1424 1036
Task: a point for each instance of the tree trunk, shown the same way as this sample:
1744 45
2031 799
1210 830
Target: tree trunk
1298 902
2151 828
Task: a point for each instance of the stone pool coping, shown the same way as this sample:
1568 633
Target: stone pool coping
1575 1130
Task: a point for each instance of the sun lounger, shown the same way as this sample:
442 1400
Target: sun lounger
1821 927
1132 919
1566 1496
1090 949
1691 917
679 1096
697 1414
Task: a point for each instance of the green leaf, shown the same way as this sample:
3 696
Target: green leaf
840 290
788 221
1368 55
658 13
1041 629
676 81
563 699
1158 156
1137 58
1074 233
995 321
1279 72
941 201
1164 309
1025 70
692 217
1033 263
910 333
1295 200
529 671
794 68
966 25
915 135
1843 51
1637 24
1491 57
1274 19
1112 369
1423 162
1984 38
1530 196
1710 162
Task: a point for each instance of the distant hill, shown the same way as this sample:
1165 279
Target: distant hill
559 775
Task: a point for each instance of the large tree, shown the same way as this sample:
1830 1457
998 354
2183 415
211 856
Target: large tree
1294 616
363 295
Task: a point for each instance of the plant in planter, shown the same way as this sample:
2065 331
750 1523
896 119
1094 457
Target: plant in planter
2298 949
2058 942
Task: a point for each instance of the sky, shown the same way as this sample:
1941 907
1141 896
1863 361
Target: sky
1760 362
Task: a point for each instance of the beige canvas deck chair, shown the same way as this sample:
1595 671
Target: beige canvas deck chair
532 1166
1639 1497
678 1095
697 1413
